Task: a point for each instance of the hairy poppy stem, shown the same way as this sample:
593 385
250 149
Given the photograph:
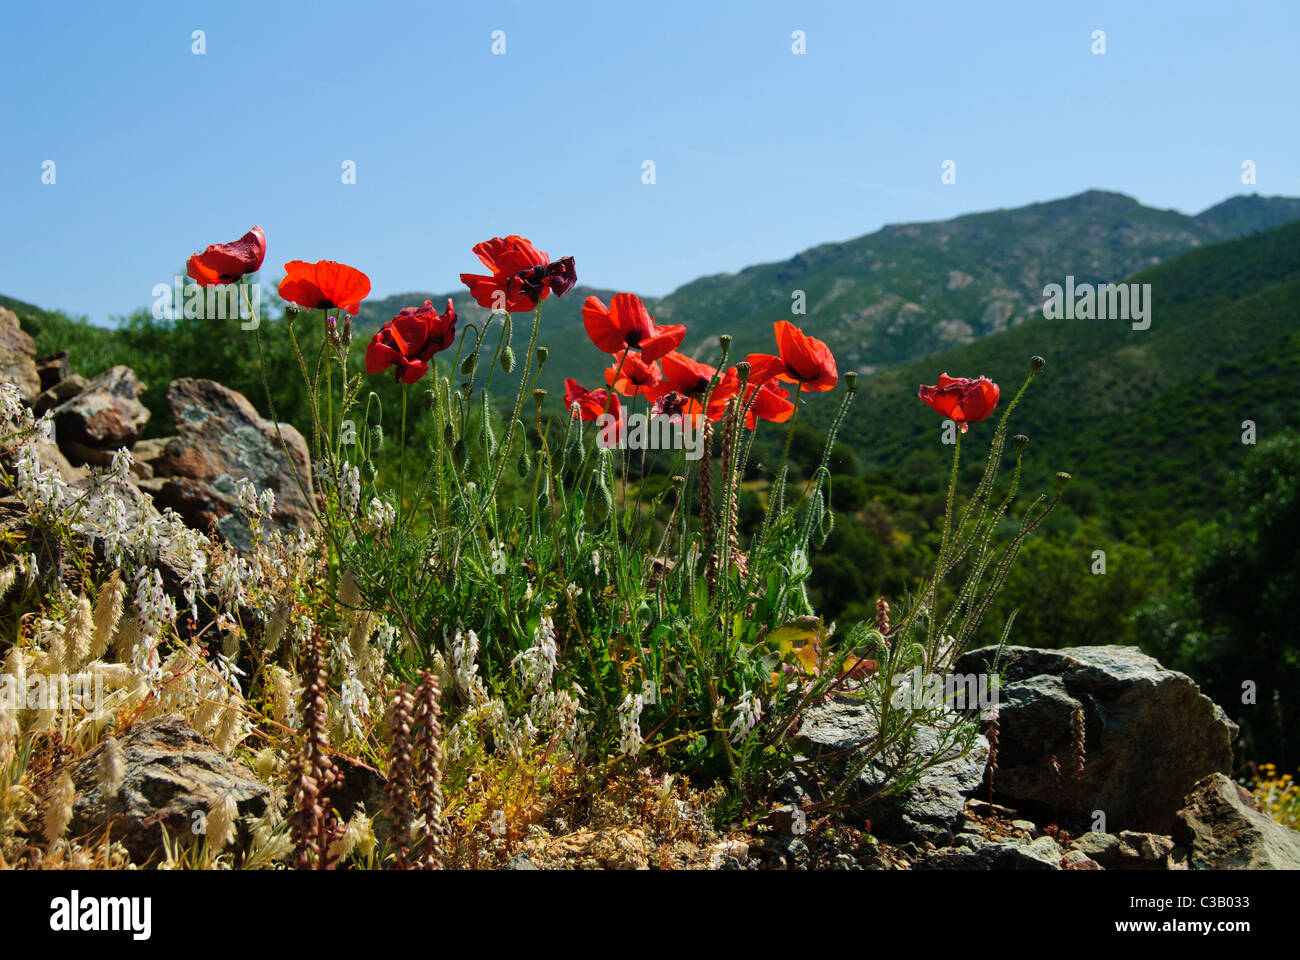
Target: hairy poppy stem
401 473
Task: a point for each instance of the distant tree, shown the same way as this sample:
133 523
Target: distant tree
1244 587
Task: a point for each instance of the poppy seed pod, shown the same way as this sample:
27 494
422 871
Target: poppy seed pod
542 354
851 380
1036 364
1020 440
1062 479
539 395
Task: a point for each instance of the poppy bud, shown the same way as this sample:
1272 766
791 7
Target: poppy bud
604 500
1036 364
469 363
346 336
1020 440
538 396
542 354
431 400
376 436
507 360
449 434
373 415
458 452
827 523
525 465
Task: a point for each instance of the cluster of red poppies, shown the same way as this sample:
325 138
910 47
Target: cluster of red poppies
645 361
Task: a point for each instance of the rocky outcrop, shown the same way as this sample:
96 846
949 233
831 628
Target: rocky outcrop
18 356
220 440
1222 828
928 809
173 777
106 414
1149 733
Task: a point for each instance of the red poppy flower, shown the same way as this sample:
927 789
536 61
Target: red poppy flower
324 285
691 379
636 378
961 399
591 403
802 359
227 262
409 340
626 323
770 402
522 275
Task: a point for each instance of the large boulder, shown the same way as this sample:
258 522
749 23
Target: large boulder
1223 828
220 440
172 776
928 809
18 356
1149 733
106 414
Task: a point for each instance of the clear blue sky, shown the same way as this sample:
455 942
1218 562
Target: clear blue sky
759 153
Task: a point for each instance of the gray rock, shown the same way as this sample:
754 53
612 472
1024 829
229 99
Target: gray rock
107 413
1130 850
520 861
18 356
221 440
927 810
172 774
1078 860
1040 854
1222 828
1150 733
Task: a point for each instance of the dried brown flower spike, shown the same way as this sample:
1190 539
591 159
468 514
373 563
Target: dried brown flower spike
313 826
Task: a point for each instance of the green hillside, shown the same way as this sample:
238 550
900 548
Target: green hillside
1147 421
906 290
